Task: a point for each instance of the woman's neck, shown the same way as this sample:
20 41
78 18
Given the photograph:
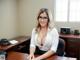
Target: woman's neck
44 28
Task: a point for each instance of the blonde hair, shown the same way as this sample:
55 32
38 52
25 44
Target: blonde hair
50 18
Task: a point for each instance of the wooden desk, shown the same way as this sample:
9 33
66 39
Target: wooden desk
69 36
20 40
23 56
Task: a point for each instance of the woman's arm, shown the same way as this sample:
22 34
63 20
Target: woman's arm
46 55
32 42
32 50
31 55
32 45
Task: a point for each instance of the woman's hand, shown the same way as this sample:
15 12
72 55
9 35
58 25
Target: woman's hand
30 57
37 58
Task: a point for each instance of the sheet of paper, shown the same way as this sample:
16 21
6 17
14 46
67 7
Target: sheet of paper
13 41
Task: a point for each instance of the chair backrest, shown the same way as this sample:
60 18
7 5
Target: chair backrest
61 47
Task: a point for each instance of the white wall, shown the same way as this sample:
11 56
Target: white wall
8 19
72 25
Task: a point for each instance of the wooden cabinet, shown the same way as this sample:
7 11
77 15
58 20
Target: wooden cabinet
72 45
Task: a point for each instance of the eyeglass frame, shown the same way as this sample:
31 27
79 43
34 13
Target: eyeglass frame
40 17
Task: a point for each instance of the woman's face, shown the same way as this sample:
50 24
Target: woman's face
43 19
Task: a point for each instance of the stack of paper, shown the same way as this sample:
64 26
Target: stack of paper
13 41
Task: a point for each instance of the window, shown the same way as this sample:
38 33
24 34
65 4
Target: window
67 10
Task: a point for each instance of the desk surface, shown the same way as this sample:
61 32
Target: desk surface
69 36
23 56
20 40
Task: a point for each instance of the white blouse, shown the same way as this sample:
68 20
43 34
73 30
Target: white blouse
51 40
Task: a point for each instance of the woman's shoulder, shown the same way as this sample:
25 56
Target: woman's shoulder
34 30
53 29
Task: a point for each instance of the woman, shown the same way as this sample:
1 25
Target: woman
44 36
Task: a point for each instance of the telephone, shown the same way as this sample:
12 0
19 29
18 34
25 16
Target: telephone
4 42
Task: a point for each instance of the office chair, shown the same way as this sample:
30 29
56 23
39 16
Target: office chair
61 47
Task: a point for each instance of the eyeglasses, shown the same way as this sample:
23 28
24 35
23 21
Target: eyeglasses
43 17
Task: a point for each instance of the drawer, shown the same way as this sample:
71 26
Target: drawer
73 40
73 43
72 52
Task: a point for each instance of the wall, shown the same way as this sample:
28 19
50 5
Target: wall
8 19
28 10
72 25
